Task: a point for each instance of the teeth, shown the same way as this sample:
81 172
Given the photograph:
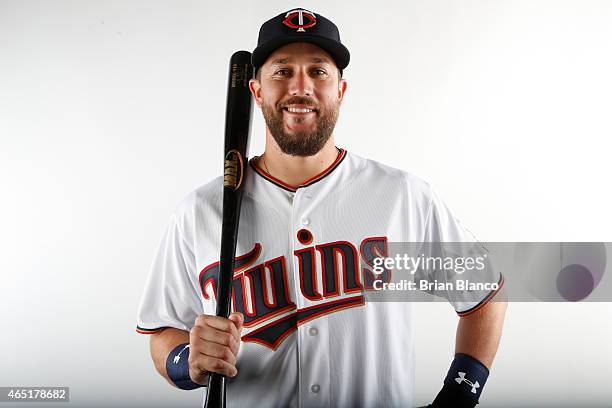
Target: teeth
299 110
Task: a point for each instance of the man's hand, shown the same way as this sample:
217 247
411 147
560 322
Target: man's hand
214 343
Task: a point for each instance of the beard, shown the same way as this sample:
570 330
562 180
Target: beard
301 143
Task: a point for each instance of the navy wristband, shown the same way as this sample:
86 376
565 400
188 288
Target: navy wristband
177 367
463 383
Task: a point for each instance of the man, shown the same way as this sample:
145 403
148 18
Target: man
313 216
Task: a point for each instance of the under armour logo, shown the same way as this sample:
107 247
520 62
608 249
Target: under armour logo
300 13
462 378
178 356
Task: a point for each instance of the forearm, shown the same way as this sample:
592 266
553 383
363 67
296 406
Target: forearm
478 334
162 344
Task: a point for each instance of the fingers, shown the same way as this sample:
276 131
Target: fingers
238 320
215 350
208 335
202 365
221 323
214 344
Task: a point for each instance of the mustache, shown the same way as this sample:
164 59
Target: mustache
299 100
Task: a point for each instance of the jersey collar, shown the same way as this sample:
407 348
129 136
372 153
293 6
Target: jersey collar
309 182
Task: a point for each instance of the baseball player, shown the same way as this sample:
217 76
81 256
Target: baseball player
302 333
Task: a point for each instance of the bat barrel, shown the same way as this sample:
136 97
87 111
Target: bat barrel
237 128
239 109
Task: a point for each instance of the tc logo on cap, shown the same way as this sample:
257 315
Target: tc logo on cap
300 13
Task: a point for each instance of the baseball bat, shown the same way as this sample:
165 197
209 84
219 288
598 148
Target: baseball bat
238 114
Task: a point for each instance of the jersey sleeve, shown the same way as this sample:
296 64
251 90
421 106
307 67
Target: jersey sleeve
170 297
447 238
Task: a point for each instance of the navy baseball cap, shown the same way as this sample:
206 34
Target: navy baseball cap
299 25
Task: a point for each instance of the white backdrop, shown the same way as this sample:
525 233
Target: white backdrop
112 111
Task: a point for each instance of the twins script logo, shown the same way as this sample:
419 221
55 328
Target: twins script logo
261 291
300 14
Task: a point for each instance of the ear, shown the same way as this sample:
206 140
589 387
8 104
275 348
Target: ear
341 89
255 87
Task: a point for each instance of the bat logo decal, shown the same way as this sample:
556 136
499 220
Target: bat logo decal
234 165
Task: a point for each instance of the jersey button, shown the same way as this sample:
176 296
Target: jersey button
313 331
305 221
315 388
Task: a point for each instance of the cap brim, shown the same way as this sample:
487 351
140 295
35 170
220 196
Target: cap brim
338 52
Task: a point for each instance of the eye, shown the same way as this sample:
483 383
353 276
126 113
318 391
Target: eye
320 72
282 72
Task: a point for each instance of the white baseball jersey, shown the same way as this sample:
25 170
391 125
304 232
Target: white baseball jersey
310 339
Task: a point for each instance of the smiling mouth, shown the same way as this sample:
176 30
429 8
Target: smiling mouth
299 110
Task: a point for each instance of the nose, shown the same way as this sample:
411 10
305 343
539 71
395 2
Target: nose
301 84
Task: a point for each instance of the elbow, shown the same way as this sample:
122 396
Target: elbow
158 354
161 344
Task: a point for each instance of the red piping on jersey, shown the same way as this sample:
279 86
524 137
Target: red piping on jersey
142 330
485 301
312 180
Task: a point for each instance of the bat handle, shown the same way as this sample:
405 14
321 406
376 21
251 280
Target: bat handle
215 395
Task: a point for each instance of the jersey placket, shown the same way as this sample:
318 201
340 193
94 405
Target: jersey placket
312 337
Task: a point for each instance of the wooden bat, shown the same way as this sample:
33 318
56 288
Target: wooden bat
238 114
